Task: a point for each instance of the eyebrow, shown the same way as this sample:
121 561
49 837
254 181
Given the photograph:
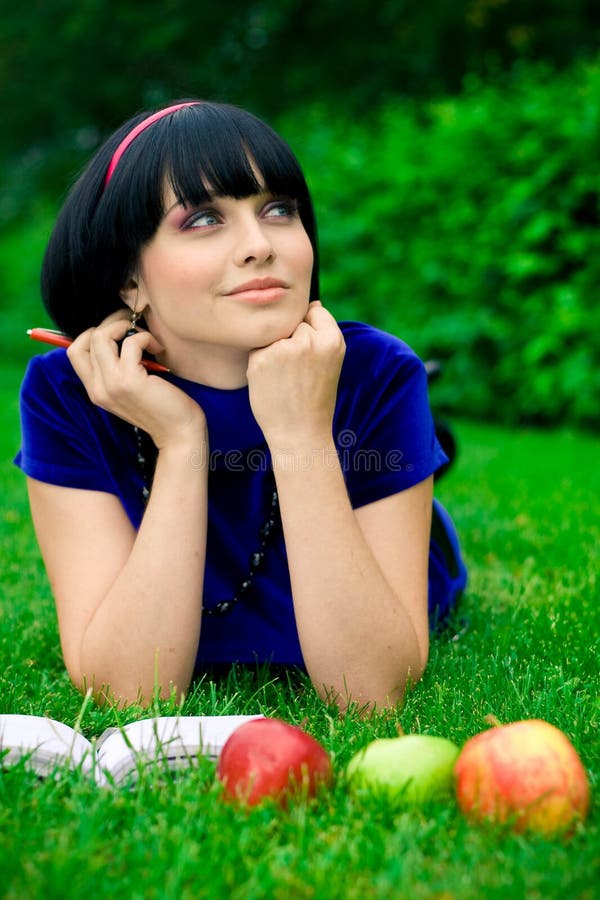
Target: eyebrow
212 195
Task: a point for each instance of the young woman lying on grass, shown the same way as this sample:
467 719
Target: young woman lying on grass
269 499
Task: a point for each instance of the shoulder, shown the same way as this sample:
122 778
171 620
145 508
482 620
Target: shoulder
371 351
381 375
49 370
383 382
66 439
367 342
383 425
51 388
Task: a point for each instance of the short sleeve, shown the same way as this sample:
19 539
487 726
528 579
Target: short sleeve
58 443
383 428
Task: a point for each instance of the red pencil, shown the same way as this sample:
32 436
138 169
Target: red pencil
59 339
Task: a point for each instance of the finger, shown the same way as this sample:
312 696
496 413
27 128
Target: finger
315 307
319 317
82 341
113 326
119 315
147 340
105 341
79 355
111 337
113 329
134 346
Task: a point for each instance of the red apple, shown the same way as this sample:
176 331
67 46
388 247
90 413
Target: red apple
527 774
271 758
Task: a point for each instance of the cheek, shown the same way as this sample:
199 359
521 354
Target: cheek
304 257
178 277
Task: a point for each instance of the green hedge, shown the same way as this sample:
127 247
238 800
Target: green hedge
471 228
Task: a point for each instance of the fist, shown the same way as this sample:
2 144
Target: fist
293 382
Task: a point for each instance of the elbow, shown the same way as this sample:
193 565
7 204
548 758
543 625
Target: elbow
404 676
415 657
375 697
122 685
102 693
375 692
414 670
403 665
123 696
393 695
120 693
423 655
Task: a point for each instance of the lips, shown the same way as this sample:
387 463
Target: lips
257 284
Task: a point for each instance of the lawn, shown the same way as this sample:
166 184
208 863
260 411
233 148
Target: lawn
524 645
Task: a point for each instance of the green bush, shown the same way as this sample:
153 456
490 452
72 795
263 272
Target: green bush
471 229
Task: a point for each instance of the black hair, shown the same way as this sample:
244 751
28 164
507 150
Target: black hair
99 233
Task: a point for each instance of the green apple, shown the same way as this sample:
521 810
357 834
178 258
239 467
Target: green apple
413 767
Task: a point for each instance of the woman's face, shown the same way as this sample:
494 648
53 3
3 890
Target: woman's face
230 275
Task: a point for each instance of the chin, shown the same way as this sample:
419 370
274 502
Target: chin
278 331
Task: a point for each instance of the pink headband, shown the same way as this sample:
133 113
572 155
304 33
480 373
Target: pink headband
129 138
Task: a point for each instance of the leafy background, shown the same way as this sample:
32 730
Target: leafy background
452 148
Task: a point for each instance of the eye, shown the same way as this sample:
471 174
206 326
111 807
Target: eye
204 218
281 209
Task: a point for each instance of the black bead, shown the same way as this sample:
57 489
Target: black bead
256 559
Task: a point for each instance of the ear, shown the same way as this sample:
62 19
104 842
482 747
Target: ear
129 293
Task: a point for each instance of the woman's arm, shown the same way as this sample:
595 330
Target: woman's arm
359 578
359 582
129 604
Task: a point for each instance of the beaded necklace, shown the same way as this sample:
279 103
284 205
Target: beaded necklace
146 454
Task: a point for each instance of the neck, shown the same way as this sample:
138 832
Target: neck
214 366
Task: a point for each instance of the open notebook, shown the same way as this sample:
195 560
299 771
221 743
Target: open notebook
116 756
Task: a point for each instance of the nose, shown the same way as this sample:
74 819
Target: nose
253 243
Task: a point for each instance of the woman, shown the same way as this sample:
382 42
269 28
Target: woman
267 499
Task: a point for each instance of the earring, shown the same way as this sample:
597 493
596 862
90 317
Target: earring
135 317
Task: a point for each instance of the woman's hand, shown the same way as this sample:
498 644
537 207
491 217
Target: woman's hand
116 381
293 382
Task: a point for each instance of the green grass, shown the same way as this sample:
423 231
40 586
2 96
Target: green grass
526 646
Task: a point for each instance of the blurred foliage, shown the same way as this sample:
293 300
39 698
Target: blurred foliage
452 148
471 229
71 72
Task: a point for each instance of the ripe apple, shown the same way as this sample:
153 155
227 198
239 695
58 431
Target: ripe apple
271 758
525 773
412 767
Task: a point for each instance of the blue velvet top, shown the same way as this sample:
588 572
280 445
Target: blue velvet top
383 431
